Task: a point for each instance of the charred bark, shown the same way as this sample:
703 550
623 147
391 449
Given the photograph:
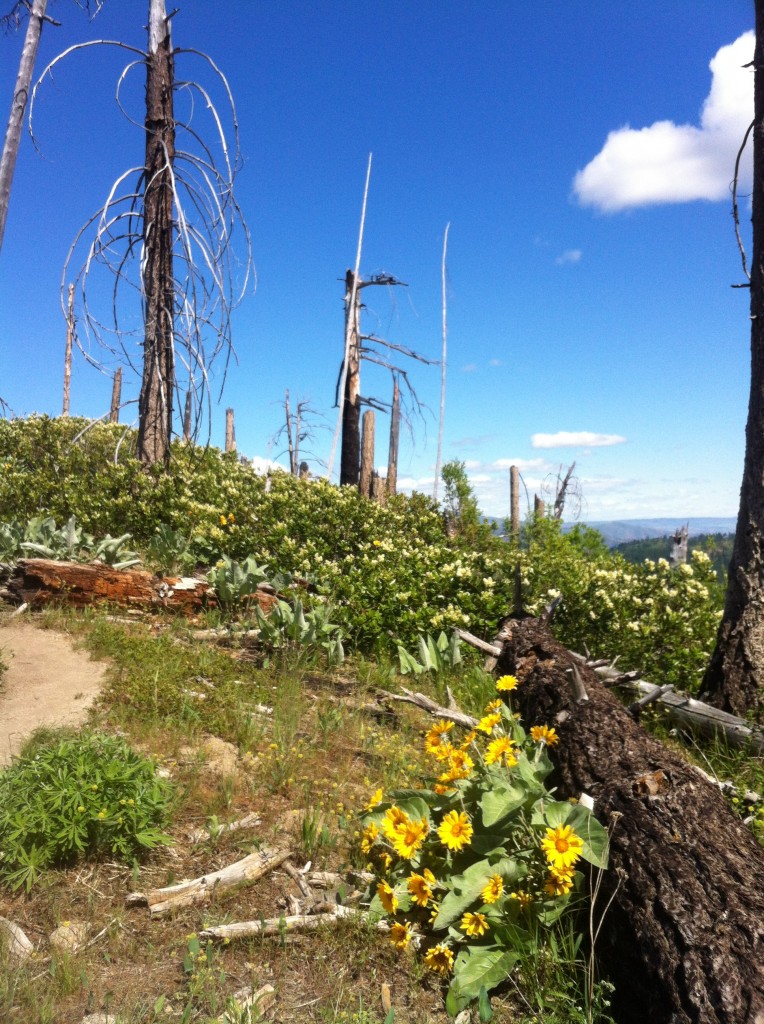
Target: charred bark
155 402
350 456
683 940
734 679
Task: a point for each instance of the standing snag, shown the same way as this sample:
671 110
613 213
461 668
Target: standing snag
165 237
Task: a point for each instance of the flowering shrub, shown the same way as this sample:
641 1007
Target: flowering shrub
391 572
476 865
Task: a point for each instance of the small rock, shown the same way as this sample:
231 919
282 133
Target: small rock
69 936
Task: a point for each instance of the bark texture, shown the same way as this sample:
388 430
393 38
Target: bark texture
155 402
735 677
350 456
683 940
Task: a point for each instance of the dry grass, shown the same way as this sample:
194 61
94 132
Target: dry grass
303 770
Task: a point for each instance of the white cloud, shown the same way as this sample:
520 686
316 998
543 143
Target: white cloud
469 368
576 439
262 465
569 256
676 163
522 464
495 362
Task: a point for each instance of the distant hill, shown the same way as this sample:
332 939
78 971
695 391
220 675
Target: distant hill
619 531
718 547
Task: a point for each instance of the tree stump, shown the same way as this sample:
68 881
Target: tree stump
683 940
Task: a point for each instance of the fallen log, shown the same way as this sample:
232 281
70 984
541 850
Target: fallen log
683 938
199 890
41 581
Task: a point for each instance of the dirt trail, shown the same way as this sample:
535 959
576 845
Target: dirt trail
47 683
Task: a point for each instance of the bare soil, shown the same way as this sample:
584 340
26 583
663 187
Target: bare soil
47 683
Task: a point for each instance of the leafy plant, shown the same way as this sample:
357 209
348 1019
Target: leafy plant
436 656
83 796
236 582
171 550
42 538
479 865
292 627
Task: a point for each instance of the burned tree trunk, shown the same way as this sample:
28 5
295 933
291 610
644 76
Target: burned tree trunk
395 429
350 457
683 940
367 453
116 396
156 397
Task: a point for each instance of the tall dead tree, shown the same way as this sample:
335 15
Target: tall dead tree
230 431
116 396
18 106
165 235
68 352
157 277
365 348
367 454
734 679
299 426
444 332
395 430
35 12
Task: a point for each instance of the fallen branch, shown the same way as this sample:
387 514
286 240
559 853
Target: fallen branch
430 706
688 712
199 835
198 890
276 926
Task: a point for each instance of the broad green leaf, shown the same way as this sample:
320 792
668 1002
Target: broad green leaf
499 802
583 823
479 968
466 888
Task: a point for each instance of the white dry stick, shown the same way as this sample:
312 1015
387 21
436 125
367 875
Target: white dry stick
442 368
349 323
198 890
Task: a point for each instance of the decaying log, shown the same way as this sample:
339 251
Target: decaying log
683 939
40 581
199 890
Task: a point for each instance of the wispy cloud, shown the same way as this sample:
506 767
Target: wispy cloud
676 163
495 362
576 439
469 368
569 256
524 465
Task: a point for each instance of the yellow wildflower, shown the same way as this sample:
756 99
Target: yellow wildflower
223 520
369 837
493 705
433 741
455 830
468 740
487 723
544 734
501 750
409 836
387 897
400 935
474 924
523 898
440 959
506 683
559 881
374 799
562 847
494 890
394 817
420 887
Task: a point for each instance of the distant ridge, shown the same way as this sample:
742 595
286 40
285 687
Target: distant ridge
618 531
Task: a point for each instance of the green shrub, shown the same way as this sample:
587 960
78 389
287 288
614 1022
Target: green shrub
85 796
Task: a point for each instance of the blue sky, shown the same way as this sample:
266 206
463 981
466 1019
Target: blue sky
582 154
